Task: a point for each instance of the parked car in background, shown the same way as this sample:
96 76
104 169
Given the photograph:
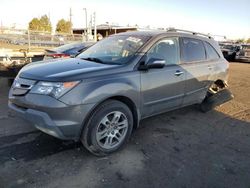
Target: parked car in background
100 96
230 51
10 68
244 53
12 62
67 50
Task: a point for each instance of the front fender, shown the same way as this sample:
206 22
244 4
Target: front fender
99 90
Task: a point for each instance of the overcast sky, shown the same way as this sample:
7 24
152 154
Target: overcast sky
221 17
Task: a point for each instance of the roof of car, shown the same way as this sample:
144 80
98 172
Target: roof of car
142 33
153 33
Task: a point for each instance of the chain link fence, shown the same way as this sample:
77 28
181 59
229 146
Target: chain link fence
37 38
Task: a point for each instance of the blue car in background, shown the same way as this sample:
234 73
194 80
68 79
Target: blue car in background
67 50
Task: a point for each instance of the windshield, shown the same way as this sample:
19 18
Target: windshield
114 50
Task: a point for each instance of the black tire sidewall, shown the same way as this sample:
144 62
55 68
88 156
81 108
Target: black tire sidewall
97 116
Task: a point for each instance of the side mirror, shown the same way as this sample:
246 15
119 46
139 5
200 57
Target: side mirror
73 56
153 63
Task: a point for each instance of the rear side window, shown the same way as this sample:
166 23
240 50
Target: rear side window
192 50
211 52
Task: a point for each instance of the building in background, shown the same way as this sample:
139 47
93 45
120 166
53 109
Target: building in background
105 30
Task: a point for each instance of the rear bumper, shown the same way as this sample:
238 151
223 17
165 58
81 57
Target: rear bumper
64 122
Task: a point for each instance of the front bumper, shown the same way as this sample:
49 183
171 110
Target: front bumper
50 115
40 120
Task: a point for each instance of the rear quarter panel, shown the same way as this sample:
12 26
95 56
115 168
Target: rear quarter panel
220 66
220 71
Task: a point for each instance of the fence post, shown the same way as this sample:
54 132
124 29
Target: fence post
28 39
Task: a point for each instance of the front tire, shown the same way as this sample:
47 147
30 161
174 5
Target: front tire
10 82
108 128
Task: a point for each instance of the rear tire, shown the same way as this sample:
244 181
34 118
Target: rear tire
108 128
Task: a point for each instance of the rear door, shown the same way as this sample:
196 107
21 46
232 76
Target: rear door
163 89
198 69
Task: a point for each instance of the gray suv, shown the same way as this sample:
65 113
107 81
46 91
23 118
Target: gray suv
100 96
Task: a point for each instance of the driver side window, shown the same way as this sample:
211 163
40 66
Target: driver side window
167 49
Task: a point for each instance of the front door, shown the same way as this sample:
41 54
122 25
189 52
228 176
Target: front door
163 89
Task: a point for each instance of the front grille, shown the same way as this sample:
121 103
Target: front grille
22 86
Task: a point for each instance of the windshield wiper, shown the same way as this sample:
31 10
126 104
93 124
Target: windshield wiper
93 59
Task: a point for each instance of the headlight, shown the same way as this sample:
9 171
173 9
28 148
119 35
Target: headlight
54 89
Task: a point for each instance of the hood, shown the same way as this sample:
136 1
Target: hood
61 69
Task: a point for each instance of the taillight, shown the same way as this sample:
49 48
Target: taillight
58 55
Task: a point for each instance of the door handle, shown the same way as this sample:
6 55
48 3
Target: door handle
178 73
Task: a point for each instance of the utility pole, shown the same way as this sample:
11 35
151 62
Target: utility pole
70 19
86 24
28 39
50 22
70 15
94 21
1 26
91 25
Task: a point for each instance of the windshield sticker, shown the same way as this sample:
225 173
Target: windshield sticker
133 39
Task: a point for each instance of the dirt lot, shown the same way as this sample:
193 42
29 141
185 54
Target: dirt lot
183 148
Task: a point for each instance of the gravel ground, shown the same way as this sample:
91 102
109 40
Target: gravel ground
182 148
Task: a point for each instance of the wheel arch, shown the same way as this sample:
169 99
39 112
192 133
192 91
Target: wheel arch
220 83
126 100
216 86
132 106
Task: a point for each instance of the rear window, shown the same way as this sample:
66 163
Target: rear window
211 52
65 47
70 46
192 50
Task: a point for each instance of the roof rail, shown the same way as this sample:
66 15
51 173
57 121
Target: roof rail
170 29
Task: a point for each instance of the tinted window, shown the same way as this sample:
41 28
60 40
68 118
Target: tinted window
66 47
211 52
72 46
192 50
166 49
